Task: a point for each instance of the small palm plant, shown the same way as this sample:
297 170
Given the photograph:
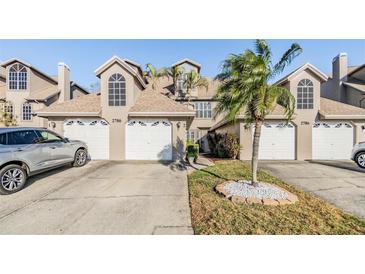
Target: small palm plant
154 74
175 73
194 80
245 88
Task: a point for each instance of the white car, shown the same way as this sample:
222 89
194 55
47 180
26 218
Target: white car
358 154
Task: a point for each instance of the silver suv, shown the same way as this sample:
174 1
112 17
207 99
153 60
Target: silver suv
28 151
358 154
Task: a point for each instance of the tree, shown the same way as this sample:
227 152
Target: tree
175 73
6 117
194 80
245 88
154 74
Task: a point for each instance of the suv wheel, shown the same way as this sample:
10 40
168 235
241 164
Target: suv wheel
360 159
80 158
12 179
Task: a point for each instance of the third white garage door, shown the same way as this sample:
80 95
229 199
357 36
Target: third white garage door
149 140
332 141
277 141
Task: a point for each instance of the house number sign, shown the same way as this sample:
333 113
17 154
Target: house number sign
115 120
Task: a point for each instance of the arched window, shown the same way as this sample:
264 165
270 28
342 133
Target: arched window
305 94
18 77
116 90
27 112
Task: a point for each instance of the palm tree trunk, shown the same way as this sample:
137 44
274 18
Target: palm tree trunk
255 151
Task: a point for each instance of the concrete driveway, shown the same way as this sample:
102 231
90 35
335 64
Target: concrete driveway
103 197
341 183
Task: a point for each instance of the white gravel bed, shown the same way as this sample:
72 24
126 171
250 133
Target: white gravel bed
262 191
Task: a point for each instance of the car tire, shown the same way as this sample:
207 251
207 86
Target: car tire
360 159
12 179
80 158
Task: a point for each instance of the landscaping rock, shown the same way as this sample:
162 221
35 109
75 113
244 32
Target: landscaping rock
243 192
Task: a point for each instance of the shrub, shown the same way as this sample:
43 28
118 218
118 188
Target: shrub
192 150
225 145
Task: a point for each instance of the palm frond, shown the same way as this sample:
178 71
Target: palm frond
286 59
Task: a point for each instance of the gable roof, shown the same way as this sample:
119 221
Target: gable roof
132 63
43 94
186 60
359 71
88 105
84 90
153 103
122 63
15 60
308 66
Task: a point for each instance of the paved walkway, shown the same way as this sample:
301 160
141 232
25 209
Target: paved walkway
341 183
104 197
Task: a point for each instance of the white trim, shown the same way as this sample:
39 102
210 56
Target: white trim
321 75
115 58
154 114
188 61
5 63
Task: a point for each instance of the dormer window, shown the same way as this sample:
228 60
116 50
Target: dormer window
305 94
18 77
116 90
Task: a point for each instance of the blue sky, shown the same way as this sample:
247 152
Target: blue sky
84 56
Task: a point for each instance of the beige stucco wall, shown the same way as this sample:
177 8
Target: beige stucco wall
117 116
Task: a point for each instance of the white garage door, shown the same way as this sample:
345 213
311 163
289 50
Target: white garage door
332 141
148 140
277 141
94 132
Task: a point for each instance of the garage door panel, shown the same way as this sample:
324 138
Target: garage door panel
94 132
277 141
332 141
148 140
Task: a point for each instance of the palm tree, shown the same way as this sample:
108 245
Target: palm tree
194 80
154 74
245 88
175 73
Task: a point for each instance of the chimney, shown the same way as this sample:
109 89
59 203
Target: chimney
339 75
64 82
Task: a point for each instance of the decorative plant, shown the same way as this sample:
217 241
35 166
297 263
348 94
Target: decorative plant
245 87
192 150
224 145
6 118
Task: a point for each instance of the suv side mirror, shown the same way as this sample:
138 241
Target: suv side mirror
66 140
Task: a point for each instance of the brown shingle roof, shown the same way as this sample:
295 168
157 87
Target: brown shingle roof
43 94
155 102
331 107
87 104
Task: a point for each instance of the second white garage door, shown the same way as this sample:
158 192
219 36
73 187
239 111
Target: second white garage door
149 140
277 141
94 132
332 141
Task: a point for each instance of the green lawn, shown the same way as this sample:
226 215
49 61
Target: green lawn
214 214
